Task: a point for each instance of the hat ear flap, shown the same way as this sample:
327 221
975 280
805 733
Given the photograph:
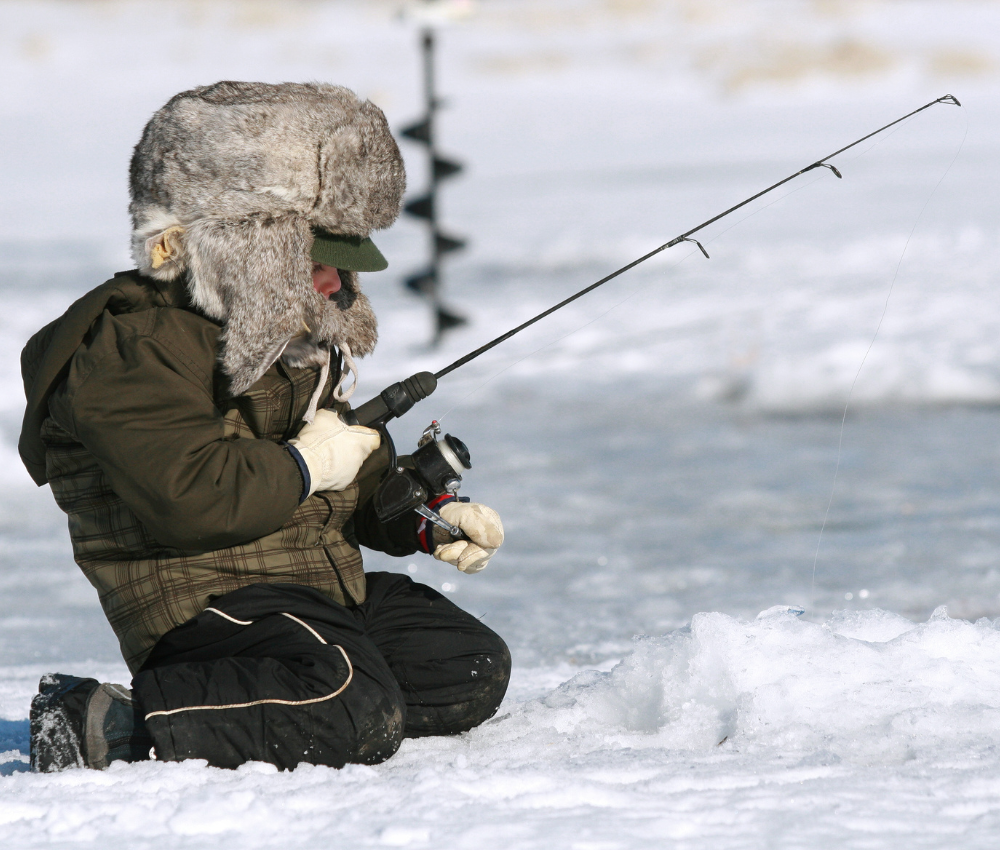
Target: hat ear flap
252 275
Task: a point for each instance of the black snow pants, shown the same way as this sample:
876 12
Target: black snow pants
283 674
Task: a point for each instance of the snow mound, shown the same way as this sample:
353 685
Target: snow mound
867 686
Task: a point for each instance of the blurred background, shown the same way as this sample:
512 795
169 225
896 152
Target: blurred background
671 443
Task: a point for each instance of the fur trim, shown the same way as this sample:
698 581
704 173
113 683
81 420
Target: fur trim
227 182
347 317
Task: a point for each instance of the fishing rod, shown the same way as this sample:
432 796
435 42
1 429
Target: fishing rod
438 464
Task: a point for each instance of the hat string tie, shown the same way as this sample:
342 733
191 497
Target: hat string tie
324 373
340 394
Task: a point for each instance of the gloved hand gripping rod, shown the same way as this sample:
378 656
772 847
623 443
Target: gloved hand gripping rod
434 469
398 398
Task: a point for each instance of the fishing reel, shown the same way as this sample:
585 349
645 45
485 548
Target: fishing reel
434 469
437 467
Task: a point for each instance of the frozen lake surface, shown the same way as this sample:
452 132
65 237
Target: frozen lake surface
664 453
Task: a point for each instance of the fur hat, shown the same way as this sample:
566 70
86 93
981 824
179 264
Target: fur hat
226 184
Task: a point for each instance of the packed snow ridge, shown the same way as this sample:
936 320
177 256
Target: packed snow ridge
867 686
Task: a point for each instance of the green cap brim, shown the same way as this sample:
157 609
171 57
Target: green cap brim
351 253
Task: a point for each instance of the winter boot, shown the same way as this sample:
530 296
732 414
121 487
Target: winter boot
82 723
57 722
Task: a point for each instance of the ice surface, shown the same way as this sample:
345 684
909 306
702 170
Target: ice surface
662 452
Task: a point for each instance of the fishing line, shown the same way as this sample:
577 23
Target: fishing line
850 393
439 463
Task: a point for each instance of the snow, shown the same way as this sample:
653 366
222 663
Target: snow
663 452
798 733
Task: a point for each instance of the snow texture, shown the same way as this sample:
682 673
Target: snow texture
664 452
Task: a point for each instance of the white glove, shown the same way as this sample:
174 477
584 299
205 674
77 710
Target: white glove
333 451
485 532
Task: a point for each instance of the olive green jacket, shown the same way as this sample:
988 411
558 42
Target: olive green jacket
176 492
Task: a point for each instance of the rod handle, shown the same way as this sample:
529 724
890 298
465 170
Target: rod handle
393 401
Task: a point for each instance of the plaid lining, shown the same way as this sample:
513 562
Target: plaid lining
147 589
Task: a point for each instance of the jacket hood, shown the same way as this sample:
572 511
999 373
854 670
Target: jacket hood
46 357
226 184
